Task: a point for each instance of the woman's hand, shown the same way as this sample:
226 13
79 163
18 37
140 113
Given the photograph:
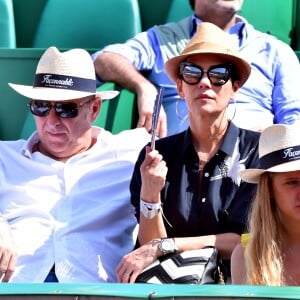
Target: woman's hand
153 173
134 263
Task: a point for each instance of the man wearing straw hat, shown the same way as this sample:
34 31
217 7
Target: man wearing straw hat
269 96
65 206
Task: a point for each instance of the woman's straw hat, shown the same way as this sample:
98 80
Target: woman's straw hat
279 151
63 76
210 39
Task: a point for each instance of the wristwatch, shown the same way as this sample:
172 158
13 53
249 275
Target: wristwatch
167 245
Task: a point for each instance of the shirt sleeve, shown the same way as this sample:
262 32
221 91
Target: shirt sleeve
245 239
136 183
286 97
139 50
239 209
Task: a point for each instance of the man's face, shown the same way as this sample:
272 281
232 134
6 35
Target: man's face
64 137
204 9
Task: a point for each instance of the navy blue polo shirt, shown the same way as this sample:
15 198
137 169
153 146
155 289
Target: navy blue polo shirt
222 203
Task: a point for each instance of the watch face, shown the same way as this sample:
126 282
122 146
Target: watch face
167 245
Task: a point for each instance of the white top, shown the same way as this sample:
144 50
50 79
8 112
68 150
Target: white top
76 214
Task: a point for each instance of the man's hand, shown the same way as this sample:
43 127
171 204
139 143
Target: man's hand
146 100
8 255
117 68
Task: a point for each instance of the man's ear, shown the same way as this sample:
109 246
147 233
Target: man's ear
96 107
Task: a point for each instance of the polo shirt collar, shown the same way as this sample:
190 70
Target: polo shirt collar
227 147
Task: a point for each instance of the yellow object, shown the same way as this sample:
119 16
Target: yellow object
244 239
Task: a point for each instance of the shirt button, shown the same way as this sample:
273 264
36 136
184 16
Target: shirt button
203 200
206 174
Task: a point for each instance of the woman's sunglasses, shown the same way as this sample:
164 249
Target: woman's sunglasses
42 108
217 75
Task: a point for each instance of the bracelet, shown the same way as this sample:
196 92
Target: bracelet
149 210
2 219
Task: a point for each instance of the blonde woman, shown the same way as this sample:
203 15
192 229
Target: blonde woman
271 255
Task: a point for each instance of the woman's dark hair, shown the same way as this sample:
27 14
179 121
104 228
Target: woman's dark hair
234 74
192 4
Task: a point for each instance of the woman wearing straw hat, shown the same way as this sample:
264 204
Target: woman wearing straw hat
188 189
271 254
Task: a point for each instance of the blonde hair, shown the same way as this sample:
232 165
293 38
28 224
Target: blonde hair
263 253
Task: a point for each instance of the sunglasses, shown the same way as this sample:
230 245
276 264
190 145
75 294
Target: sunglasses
218 75
42 108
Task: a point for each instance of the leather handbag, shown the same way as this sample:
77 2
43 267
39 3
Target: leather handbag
201 266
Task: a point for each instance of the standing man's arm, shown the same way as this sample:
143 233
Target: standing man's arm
286 98
115 67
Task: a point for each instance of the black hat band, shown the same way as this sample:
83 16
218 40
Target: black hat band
280 156
65 82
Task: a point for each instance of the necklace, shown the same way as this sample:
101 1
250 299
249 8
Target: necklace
202 163
219 135
205 156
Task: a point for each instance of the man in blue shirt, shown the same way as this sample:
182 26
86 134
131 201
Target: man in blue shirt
269 96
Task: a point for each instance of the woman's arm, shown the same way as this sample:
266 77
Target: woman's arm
238 267
133 263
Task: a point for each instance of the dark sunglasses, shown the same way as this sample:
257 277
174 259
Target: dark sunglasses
42 108
217 75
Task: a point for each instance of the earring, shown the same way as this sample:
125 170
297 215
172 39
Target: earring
177 112
233 114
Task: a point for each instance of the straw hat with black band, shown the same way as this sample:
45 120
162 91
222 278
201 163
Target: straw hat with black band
279 151
210 39
62 76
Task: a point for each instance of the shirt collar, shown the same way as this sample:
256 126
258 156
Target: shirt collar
194 22
227 147
28 146
229 140
238 30
26 150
